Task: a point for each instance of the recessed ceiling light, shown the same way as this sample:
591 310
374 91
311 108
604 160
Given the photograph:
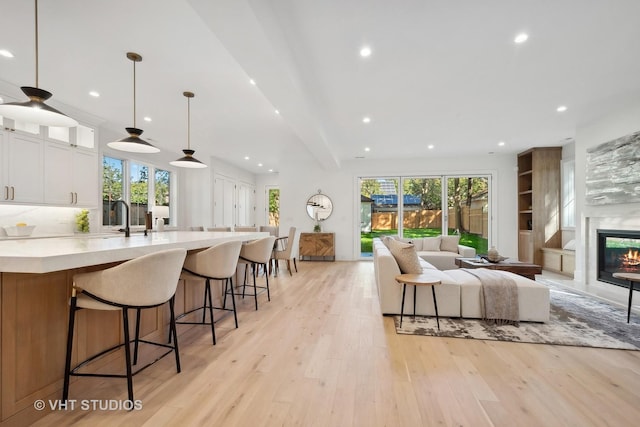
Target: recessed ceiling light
147 119
94 94
246 157
501 143
366 120
430 146
278 112
367 149
270 170
521 38
6 53
365 51
260 165
253 82
561 109
1 100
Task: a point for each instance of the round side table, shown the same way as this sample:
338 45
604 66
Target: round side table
631 278
416 280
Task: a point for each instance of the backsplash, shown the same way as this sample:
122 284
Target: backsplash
49 221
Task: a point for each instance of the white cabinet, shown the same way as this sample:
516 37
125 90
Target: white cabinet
71 175
21 159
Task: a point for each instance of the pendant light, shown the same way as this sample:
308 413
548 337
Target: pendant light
35 110
133 143
188 161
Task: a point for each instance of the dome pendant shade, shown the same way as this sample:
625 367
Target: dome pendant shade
188 161
133 143
35 110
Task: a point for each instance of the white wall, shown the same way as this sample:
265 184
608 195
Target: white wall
303 177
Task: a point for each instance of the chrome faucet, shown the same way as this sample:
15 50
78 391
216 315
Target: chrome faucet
127 231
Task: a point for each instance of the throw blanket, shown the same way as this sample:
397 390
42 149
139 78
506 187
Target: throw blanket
498 296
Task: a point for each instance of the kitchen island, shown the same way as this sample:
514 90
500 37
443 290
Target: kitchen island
36 278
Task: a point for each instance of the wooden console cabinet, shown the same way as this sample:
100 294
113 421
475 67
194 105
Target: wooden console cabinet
317 245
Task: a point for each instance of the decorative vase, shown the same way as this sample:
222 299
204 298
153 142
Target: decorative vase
493 255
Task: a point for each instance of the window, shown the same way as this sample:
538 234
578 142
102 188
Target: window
163 194
112 186
139 190
138 184
568 216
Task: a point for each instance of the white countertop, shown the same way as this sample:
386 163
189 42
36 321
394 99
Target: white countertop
63 253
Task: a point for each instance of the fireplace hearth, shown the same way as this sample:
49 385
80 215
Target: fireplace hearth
618 251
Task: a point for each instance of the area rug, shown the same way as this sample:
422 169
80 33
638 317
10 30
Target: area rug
575 319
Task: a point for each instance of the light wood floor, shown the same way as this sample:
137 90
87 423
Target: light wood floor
320 354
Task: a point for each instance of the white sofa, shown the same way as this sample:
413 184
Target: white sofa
441 251
457 296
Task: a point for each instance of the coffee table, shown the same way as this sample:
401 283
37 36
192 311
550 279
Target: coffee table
514 266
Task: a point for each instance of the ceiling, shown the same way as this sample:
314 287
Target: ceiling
442 74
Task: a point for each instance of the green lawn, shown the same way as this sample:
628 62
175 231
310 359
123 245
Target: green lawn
467 239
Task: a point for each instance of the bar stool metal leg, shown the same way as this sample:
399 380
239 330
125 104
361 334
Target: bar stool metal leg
127 352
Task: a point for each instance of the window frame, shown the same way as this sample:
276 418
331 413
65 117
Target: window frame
151 185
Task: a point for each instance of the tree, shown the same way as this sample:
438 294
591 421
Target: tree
369 187
428 189
111 182
162 187
464 189
274 205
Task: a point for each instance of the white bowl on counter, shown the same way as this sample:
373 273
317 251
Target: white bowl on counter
15 231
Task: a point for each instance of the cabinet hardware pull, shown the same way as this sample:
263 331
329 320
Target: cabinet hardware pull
6 192
76 194
13 192
71 197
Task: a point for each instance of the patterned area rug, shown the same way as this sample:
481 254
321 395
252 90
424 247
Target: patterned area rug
575 319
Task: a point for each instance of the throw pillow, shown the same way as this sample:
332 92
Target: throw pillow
449 243
385 240
406 257
431 244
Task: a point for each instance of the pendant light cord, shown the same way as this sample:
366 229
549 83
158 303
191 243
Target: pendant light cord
189 123
134 93
36 1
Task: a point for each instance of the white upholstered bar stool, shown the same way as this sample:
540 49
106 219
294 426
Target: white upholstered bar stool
243 228
218 262
273 230
254 254
145 282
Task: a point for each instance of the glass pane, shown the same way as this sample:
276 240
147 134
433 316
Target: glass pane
59 133
139 186
33 128
378 210
468 211
112 183
163 196
422 207
274 206
85 136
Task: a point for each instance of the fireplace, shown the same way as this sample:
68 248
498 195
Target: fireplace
618 251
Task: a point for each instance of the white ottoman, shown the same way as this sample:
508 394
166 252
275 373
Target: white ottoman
533 298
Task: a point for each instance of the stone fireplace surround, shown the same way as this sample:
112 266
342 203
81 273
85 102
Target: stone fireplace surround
610 217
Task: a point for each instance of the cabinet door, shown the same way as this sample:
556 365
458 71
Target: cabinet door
58 173
525 246
85 178
307 245
24 166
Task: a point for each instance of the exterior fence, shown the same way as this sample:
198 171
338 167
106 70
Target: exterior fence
473 220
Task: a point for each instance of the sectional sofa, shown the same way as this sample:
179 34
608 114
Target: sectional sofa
458 295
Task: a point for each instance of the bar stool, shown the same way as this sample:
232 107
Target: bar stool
218 262
144 282
256 253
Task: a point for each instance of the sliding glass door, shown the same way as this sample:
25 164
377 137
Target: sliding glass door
414 207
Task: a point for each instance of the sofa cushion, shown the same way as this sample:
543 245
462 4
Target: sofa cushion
449 243
406 257
431 244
